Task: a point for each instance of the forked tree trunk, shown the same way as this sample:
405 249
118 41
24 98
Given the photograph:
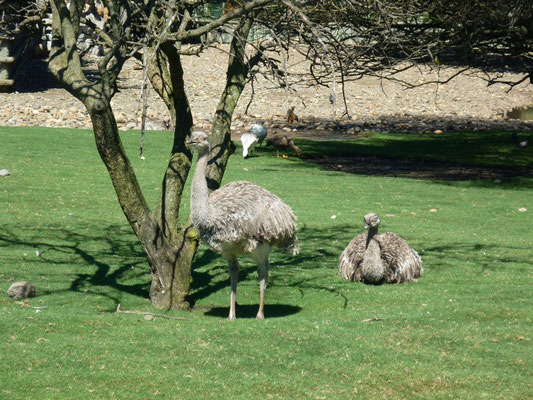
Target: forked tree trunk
169 251
169 248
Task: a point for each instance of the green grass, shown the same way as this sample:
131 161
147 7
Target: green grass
465 330
473 148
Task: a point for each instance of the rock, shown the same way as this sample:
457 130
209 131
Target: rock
21 290
373 104
4 172
437 132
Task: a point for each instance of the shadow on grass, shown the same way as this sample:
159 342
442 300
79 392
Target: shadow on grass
114 253
250 311
311 259
486 257
112 261
461 156
417 169
206 283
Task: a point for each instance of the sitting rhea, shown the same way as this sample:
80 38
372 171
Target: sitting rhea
240 218
249 139
375 259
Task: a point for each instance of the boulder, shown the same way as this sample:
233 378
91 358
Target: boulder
21 290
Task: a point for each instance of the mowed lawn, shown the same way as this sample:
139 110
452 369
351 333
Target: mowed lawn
464 330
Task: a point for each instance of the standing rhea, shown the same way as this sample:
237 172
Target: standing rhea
240 218
385 258
249 139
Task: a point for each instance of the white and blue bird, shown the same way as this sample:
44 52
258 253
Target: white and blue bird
249 139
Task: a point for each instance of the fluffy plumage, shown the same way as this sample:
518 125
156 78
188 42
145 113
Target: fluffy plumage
385 258
240 218
244 215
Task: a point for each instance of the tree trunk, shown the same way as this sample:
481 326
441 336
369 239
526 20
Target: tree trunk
171 275
169 251
168 248
174 270
237 73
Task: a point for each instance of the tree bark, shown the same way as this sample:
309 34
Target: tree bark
238 68
168 248
174 271
169 251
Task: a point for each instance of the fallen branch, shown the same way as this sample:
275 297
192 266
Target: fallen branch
120 311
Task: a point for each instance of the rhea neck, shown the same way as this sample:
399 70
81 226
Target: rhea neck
199 191
372 231
372 267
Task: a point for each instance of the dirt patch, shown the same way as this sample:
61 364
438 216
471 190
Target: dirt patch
416 169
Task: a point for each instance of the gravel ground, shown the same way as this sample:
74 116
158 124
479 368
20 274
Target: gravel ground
464 103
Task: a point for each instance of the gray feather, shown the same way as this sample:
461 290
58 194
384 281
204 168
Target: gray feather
240 218
243 214
400 262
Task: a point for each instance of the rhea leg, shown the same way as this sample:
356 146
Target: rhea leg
260 256
262 272
233 265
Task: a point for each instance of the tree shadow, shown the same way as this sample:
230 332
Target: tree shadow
206 284
114 259
69 246
417 169
486 257
459 156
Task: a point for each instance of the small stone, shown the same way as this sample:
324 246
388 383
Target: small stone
333 217
4 172
522 209
497 181
21 290
437 132
148 317
433 210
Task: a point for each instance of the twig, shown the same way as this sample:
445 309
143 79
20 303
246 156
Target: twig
372 319
120 311
315 33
